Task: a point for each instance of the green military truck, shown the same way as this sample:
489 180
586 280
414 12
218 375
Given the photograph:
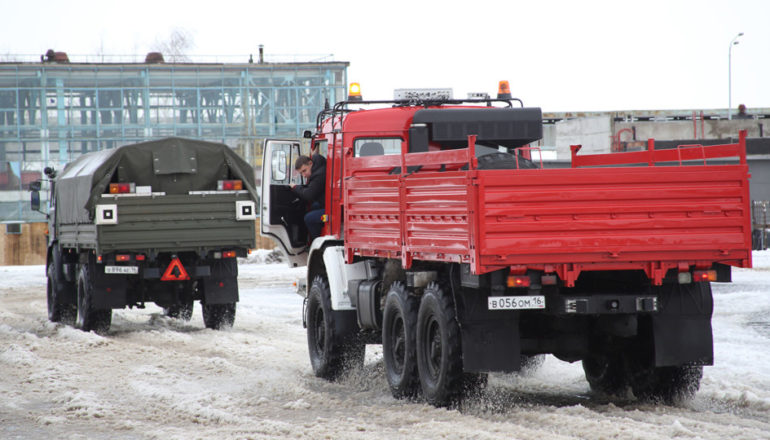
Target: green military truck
160 221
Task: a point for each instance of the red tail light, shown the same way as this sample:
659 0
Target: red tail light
140 257
228 254
229 185
518 281
122 188
704 275
122 257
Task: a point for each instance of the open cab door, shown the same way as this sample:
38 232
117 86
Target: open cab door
283 212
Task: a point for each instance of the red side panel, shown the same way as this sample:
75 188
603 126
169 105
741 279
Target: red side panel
686 214
373 215
439 216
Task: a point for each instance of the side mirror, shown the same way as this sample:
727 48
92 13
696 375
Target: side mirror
307 134
35 200
34 186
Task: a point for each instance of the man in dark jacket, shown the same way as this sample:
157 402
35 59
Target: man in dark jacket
313 191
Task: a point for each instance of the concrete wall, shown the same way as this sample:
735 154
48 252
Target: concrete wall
708 129
759 184
593 133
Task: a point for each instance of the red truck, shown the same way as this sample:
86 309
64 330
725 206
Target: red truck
445 243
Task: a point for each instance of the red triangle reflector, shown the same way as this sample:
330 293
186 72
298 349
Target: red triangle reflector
175 272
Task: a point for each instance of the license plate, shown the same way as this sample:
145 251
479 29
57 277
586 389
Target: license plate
123 270
516 302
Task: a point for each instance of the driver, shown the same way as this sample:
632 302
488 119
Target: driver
313 191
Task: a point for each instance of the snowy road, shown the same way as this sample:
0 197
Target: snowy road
157 378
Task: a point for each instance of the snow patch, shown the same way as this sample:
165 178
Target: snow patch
297 404
89 339
18 356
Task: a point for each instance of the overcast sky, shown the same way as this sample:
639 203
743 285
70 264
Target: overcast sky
558 55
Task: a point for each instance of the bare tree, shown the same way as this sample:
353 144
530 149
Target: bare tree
175 47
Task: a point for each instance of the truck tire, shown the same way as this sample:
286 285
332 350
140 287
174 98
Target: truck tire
439 353
218 316
182 310
606 374
531 363
669 385
88 318
58 311
399 335
331 335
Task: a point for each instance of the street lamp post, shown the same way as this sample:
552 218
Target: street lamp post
733 42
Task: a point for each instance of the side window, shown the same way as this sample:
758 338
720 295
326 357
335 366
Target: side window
377 146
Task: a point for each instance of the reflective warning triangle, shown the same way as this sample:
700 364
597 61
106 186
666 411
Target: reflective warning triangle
175 272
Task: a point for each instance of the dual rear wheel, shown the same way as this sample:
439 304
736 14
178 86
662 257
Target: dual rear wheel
422 347
616 375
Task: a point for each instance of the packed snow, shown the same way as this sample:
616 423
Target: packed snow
153 377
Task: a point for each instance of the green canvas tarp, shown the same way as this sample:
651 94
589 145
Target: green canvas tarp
170 165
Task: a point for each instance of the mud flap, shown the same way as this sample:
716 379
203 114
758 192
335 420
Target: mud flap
682 330
491 346
220 290
109 290
222 286
683 340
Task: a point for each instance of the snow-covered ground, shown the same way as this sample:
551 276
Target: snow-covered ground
153 377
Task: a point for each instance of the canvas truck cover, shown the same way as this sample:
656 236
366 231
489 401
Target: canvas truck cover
170 165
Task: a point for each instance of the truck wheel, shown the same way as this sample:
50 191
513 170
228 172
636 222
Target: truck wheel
182 310
605 374
218 316
89 318
399 333
669 385
58 312
474 383
531 363
331 335
439 354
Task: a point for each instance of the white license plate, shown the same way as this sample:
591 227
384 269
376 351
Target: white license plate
125 270
516 302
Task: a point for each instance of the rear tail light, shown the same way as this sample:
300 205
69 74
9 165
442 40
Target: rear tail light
122 188
518 281
140 257
122 258
229 185
228 254
704 275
